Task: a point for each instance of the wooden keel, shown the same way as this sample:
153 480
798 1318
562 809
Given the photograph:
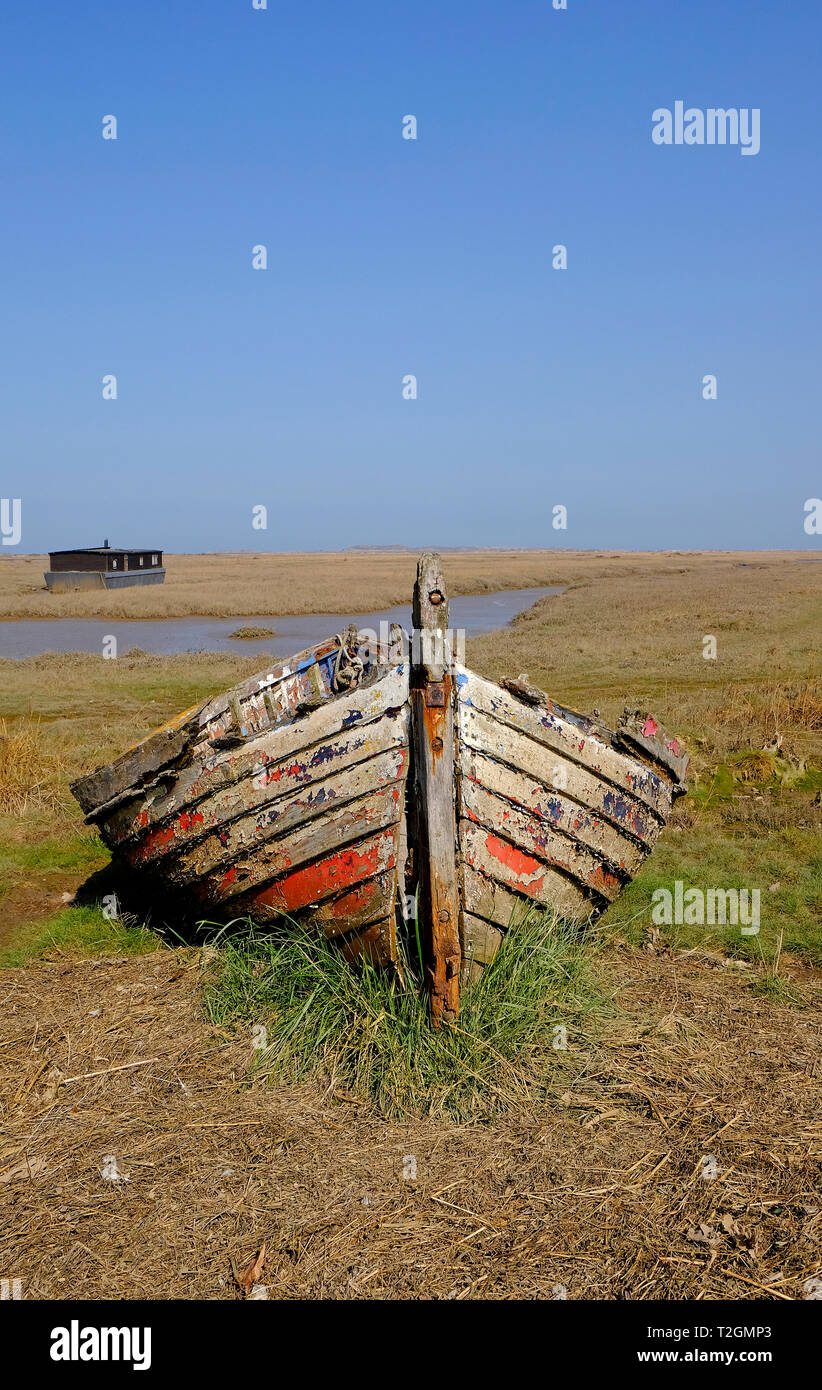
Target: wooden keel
432 705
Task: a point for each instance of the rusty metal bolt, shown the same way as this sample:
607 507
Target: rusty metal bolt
435 597
437 745
444 915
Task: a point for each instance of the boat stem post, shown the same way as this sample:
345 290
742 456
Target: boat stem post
432 707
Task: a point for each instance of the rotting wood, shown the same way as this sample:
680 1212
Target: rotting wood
208 771
570 738
432 708
162 747
266 805
565 817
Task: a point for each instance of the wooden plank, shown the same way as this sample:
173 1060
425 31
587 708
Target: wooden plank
243 705
291 816
264 680
377 943
274 704
375 900
514 869
209 771
272 858
641 732
273 694
161 748
560 776
565 817
589 750
363 873
282 794
538 839
358 906
432 708
481 941
485 897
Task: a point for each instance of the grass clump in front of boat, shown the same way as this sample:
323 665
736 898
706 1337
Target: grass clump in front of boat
247 634
364 1034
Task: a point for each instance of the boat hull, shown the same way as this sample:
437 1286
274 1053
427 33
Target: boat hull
282 797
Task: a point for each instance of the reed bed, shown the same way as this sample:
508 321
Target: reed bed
30 776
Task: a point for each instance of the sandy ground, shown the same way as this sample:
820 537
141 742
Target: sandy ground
679 1158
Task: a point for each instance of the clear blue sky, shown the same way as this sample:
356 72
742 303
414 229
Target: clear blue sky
388 256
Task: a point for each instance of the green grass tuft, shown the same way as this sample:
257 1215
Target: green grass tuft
366 1034
79 931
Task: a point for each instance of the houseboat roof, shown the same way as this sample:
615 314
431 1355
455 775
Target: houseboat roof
105 549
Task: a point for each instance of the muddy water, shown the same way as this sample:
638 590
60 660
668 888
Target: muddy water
477 615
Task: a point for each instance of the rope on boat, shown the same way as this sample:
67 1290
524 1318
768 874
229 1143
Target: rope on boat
348 665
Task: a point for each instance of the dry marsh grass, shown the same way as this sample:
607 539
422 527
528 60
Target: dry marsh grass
601 1189
255 585
29 776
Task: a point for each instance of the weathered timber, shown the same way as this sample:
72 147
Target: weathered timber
284 817
572 785
520 872
432 711
160 749
480 943
641 734
377 943
324 881
250 689
589 750
209 772
272 858
283 794
536 837
485 897
567 818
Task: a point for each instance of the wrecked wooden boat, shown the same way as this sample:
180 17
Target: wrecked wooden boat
282 796
337 786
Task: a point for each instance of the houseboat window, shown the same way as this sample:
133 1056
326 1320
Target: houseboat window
141 559
114 564
154 559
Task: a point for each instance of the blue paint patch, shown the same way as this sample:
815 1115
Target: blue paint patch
616 806
353 718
